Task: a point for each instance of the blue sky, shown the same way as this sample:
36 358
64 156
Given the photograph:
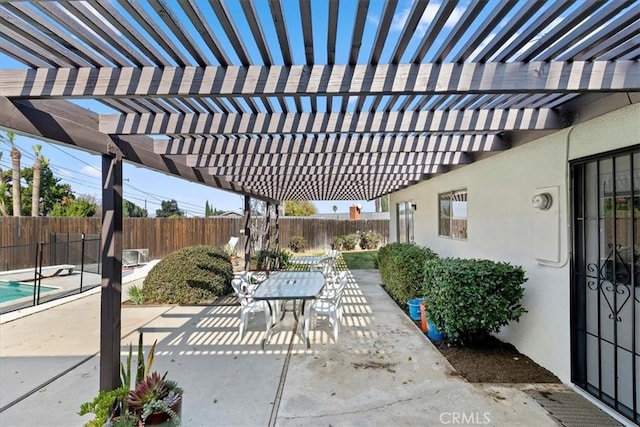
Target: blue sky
82 170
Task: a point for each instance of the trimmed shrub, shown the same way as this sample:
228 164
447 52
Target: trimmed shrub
370 240
337 243
261 259
297 243
384 253
349 241
191 275
402 268
469 298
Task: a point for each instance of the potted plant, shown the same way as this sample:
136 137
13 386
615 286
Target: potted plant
154 400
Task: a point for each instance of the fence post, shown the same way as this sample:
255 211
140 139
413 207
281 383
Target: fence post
81 260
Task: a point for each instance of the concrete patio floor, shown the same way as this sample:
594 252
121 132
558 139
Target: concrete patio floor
383 370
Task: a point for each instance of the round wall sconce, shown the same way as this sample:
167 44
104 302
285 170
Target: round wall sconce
542 201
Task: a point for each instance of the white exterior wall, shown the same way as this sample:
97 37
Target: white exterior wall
501 223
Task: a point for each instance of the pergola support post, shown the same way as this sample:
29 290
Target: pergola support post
267 235
277 237
111 258
247 232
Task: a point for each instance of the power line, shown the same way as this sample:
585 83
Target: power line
188 207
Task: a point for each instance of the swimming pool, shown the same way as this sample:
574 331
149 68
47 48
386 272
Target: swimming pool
10 291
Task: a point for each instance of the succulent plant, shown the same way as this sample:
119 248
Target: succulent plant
151 394
155 393
153 387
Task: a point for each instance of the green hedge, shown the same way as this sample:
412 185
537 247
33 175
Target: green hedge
469 298
192 275
402 268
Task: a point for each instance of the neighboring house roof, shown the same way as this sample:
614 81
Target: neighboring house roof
231 214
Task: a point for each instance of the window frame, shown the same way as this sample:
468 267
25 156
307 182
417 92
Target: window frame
450 218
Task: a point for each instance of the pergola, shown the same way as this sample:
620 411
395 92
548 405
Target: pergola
307 100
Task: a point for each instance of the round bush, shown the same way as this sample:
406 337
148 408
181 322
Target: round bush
469 298
192 275
370 240
350 241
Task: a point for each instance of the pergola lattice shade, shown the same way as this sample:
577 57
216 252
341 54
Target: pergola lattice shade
308 100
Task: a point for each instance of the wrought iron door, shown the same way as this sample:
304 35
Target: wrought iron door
606 279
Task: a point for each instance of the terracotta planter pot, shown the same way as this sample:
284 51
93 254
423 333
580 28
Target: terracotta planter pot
162 418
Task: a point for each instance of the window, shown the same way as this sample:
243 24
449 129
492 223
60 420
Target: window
453 214
404 212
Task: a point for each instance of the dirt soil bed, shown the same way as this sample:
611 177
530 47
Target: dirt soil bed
493 361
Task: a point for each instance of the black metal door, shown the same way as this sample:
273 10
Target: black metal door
606 279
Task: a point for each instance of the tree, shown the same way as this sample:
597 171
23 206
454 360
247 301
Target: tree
335 209
52 192
37 175
10 138
169 209
81 207
299 208
131 210
209 210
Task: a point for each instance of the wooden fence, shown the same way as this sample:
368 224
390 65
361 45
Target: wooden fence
163 236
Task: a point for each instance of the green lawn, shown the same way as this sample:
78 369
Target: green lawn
361 260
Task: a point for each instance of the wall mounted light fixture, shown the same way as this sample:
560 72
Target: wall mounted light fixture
542 201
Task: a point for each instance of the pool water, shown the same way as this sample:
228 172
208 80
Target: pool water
10 291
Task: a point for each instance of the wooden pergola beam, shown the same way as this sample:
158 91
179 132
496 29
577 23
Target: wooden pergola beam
332 80
321 159
363 170
298 123
345 143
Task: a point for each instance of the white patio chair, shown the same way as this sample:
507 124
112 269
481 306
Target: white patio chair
327 266
248 306
250 278
333 253
328 304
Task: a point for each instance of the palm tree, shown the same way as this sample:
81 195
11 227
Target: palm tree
37 173
3 192
10 137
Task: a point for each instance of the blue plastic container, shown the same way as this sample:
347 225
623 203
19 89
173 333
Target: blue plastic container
414 308
434 333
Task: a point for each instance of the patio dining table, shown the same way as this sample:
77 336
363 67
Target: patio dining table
290 285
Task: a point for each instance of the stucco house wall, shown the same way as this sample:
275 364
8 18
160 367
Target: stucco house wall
503 225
